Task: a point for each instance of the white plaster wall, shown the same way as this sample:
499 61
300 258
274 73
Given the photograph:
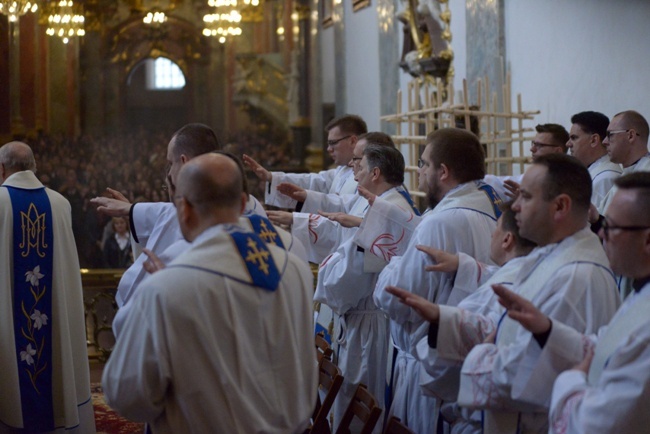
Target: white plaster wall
362 64
570 56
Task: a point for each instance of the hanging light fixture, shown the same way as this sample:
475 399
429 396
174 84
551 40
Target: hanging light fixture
155 17
65 23
17 8
224 22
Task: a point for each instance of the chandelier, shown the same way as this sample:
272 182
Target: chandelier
65 23
16 8
155 17
224 22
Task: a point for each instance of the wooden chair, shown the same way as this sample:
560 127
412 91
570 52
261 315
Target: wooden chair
329 380
363 406
395 426
322 348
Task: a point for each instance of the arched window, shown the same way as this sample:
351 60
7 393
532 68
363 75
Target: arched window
164 74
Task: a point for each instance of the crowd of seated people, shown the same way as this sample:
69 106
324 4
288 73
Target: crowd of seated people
132 163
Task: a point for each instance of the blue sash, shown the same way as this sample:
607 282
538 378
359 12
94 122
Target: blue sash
495 200
258 260
32 305
405 194
265 229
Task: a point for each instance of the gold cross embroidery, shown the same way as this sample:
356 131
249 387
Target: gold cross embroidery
267 235
255 256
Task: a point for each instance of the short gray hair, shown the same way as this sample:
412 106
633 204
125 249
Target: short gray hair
17 157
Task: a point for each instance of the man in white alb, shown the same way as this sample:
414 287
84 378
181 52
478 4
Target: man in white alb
462 220
221 345
606 389
346 280
44 378
567 276
588 130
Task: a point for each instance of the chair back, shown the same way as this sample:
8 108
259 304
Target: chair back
329 381
395 426
323 348
364 407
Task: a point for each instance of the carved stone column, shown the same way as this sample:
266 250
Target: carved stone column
17 126
301 127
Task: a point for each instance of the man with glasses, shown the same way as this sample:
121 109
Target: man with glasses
342 134
550 139
627 145
588 130
605 386
322 219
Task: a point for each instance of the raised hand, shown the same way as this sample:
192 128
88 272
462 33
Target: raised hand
586 362
293 191
345 220
424 308
152 264
115 205
522 310
366 194
280 217
512 188
444 262
257 168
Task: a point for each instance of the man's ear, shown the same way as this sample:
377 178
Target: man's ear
376 173
444 173
563 205
508 242
184 159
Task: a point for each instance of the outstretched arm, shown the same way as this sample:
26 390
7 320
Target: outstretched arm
522 310
293 191
345 220
427 310
115 204
444 261
257 168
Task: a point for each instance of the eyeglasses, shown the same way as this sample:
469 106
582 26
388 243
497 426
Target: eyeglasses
354 160
606 227
421 163
609 134
336 142
542 145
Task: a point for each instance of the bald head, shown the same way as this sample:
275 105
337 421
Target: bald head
211 182
15 157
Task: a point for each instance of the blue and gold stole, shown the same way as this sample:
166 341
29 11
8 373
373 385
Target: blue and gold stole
492 195
405 194
258 259
32 304
265 229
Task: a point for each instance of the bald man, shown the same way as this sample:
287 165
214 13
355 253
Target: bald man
218 346
44 380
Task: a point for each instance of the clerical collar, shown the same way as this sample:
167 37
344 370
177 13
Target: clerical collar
638 284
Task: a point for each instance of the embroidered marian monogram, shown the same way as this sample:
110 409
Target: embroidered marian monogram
33 231
32 305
